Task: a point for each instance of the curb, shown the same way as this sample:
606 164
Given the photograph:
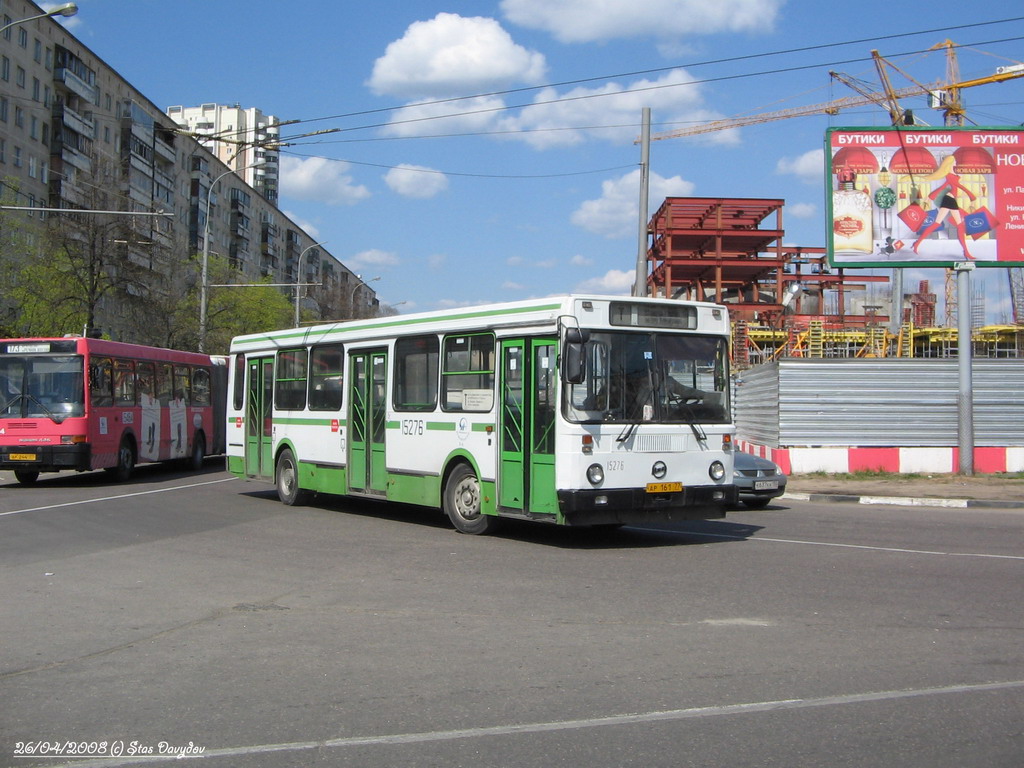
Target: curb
905 501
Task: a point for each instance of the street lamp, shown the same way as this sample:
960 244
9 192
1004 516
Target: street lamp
66 9
205 278
298 277
361 284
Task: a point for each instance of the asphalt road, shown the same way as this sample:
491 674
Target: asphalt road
195 611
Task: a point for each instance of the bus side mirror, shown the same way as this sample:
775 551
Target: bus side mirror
574 368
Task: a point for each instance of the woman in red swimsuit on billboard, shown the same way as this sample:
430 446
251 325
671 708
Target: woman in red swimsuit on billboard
945 193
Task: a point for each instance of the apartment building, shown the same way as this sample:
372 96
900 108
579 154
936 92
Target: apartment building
75 134
242 139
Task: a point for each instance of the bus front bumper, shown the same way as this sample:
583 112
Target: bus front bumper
44 458
632 506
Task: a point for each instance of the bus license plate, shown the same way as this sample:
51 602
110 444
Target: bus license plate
24 457
664 487
766 485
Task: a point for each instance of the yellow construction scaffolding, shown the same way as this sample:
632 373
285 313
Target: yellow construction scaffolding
757 345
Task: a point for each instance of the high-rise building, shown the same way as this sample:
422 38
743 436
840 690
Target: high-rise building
75 135
243 139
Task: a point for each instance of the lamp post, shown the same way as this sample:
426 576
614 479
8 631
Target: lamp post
298 277
361 284
66 9
204 281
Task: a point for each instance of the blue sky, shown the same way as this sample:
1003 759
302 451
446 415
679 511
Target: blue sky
531 187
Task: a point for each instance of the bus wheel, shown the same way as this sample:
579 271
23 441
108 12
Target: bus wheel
125 461
195 462
287 479
26 476
462 502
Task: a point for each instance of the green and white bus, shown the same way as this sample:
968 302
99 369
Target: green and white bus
575 410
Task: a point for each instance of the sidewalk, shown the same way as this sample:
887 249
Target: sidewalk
939 490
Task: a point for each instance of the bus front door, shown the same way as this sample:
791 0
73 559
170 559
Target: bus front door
526 476
259 425
367 467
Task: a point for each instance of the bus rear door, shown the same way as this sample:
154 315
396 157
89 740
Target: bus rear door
259 430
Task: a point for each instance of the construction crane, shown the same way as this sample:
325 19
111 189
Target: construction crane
945 95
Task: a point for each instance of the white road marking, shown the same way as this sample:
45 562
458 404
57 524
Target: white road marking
557 725
114 498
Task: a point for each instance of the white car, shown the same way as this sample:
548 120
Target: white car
759 480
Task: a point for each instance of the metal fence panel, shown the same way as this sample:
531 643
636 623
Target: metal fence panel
877 402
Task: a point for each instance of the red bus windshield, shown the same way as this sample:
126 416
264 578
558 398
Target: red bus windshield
41 386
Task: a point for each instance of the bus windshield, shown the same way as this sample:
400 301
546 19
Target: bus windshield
34 386
652 378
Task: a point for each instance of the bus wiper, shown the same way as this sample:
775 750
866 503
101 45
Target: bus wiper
10 402
53 416
627 432
691 420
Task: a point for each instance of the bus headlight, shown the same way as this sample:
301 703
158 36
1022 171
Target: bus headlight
716 470
595 474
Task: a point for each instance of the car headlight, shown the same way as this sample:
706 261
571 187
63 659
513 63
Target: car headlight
716 470
595 474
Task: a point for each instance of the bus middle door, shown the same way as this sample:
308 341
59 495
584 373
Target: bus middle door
526 468
367 465
259 424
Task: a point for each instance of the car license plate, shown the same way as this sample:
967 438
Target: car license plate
24 457
664 487
766 485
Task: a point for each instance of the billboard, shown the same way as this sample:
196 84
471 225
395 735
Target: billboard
925 197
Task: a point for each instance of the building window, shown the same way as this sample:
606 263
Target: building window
19 77
36 88
5 69
33 167
33 127
37 52
17 157
3 151
19 117
23 37
3 108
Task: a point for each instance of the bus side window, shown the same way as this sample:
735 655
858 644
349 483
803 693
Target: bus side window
144 375
200 386
124 383
163 384
238 395
182 385
290 380
100 382
416 363
326 365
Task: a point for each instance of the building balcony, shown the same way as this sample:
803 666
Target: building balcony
73 157
74 121
75 84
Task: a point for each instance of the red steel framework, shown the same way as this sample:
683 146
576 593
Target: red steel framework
729 250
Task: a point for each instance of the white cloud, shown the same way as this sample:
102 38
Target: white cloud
563 119
321 180
579 260
417 118
808 167
614 282
373 258
615 214
306 226
579 21
452 54
508 285
416 181
802 210
436 260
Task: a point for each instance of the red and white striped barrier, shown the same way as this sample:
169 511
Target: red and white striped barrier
941 460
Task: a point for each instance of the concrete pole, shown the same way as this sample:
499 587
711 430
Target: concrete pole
640 283
965 397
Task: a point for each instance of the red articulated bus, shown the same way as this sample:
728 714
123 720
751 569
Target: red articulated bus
80 403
